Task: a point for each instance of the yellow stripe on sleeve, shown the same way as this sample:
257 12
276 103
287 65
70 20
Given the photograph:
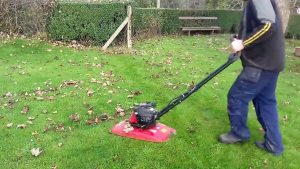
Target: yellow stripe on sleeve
258 34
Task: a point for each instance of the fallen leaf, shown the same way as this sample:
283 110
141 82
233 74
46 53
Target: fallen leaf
136 92
25 110
109 101
60 127
93 80
90 111
39 98
29 122
120 111
104 117
89 92
127 127
285 118
8 94
34 133
9 125
21 126
93 121
30 118
74 117
130 96
36 152
69 83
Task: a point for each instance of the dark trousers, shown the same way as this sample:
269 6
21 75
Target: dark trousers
259 87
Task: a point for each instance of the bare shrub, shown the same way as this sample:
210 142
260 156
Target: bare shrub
27 17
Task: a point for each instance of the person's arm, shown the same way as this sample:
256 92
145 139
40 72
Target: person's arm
266 15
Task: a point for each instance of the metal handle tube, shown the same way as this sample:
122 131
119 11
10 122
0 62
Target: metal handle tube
232 58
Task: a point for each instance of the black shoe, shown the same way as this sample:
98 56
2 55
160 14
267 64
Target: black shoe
261 145
229 138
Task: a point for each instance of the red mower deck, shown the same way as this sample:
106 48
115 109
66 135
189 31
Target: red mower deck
156 133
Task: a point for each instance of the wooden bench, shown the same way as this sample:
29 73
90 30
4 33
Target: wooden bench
201 23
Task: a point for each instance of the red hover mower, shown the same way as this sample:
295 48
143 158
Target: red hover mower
143 125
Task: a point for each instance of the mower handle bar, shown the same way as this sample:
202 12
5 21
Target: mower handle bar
231 59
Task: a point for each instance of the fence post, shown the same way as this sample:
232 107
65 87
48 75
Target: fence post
129 13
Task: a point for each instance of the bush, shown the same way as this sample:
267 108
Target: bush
97 22
89 22
25 17
293 30
166 21
145 3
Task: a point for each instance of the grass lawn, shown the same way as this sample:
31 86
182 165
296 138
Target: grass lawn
43 84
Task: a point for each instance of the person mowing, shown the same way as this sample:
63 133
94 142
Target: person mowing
261 43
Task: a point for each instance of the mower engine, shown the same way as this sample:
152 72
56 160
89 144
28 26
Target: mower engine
144 115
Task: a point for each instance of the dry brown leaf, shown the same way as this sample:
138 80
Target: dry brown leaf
90 111
8 94
120 111
74 117
34 133
89 92
136 92
9 125
21 126
69 83
130 96
39 98
93 80
50 98
60 127
104 117
54 167
31 118
25 110
29 122
36 152
285 118
93 121
39 92
127 127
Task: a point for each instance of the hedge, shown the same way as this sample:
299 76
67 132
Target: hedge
166 21
293 29
97 22
89 22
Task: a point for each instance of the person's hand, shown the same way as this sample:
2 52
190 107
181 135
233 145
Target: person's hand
232 37
237 45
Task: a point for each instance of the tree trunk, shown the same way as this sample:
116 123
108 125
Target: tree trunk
284 9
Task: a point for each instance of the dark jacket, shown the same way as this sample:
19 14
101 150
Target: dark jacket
262 35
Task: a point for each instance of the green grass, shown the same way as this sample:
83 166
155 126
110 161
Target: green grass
161 68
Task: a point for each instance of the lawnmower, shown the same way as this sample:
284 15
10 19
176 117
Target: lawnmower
143 125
